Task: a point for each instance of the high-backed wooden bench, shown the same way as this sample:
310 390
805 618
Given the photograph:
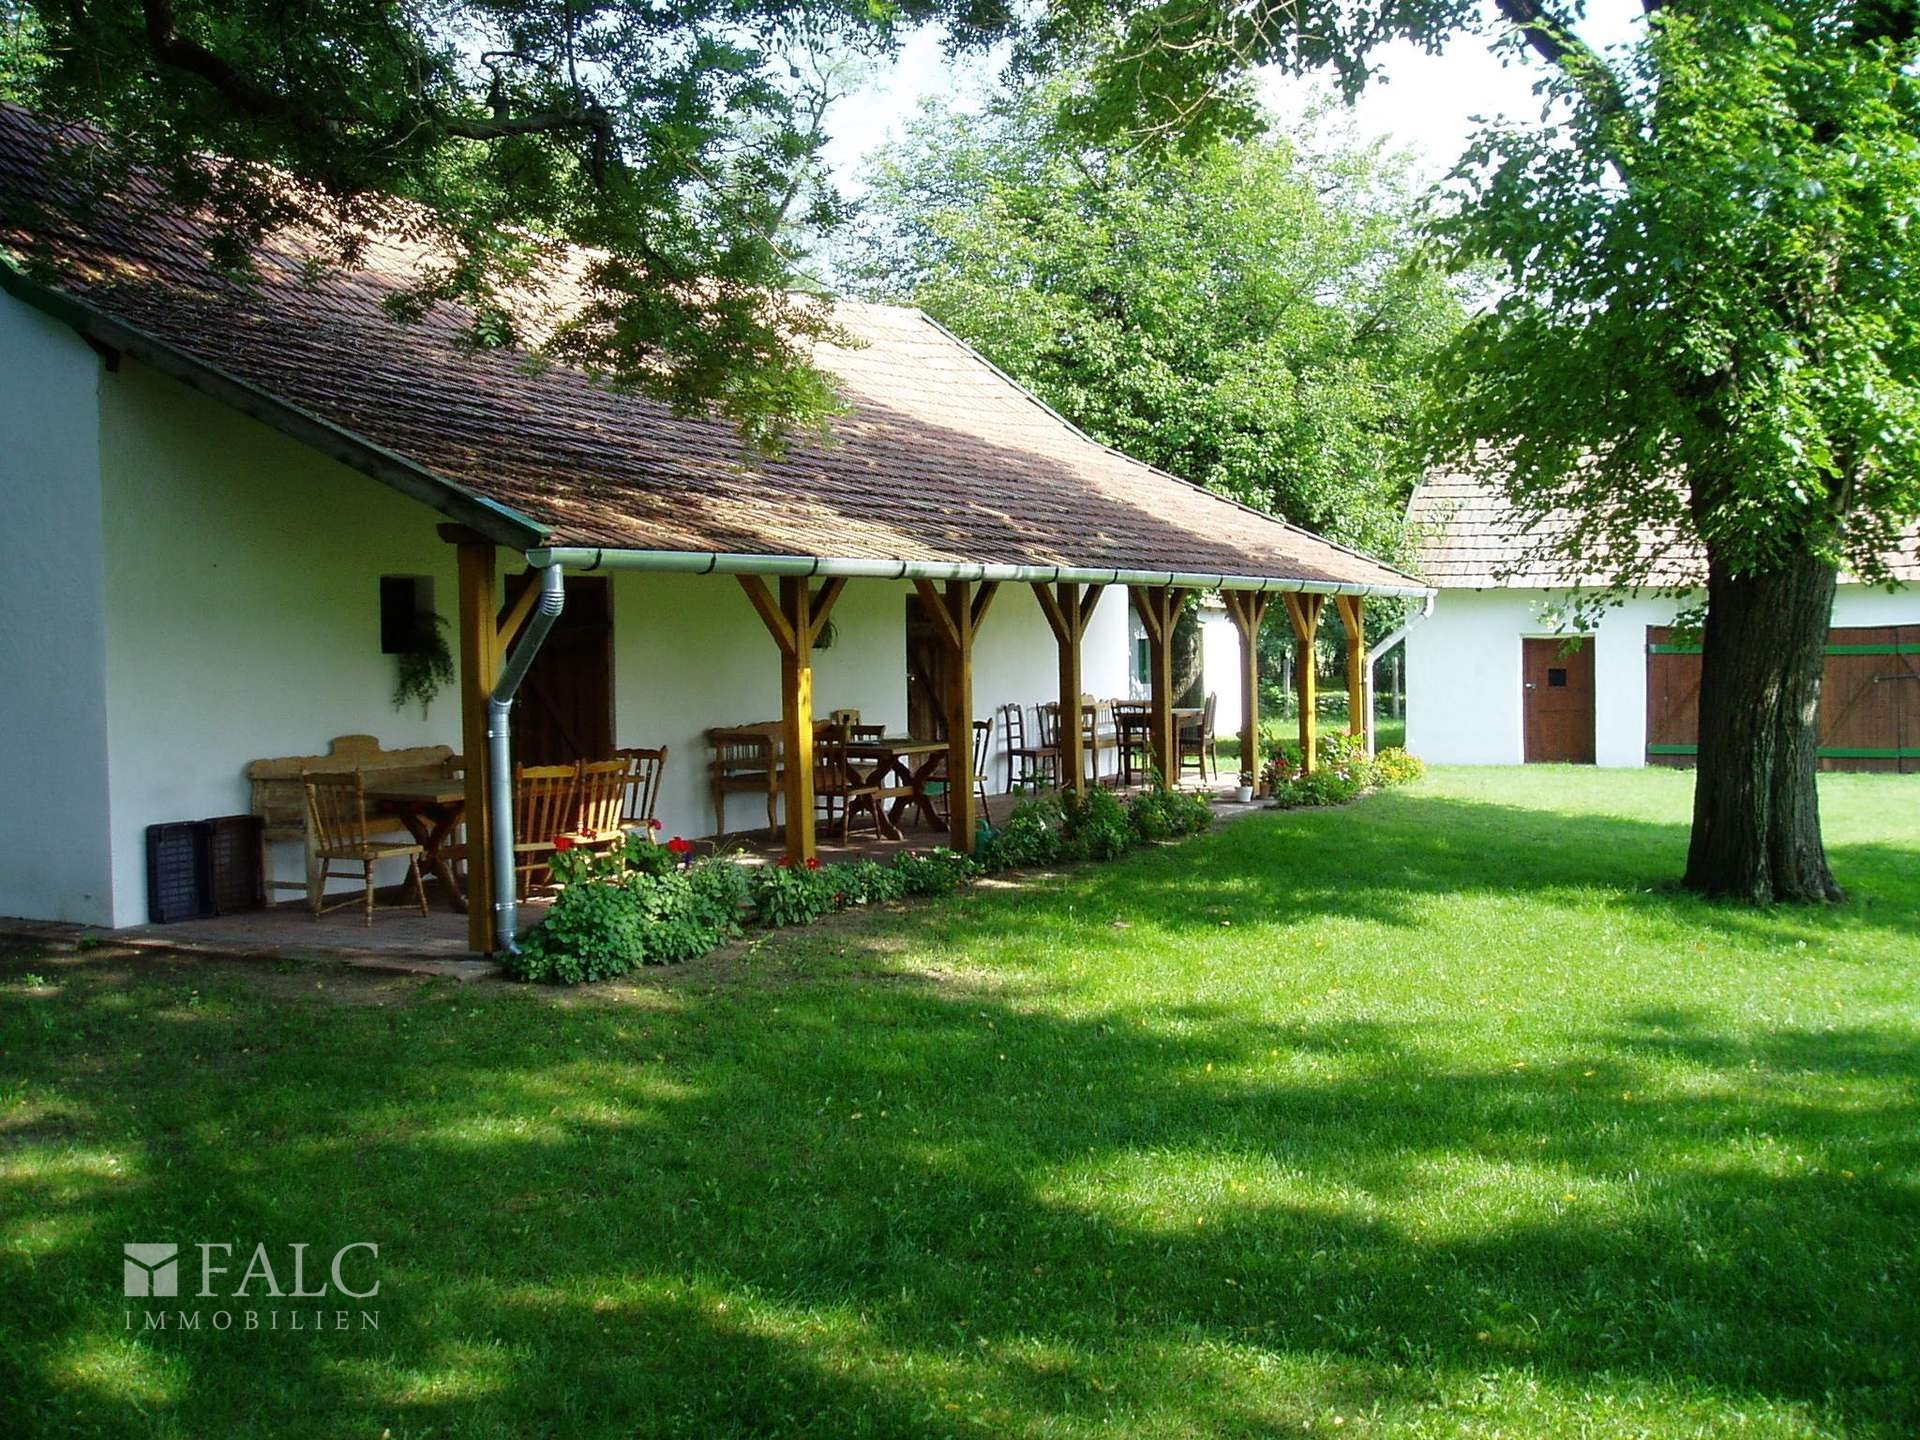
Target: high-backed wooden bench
280 800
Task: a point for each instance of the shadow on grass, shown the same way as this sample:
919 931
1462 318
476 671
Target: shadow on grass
858 1209
795 1200
1386 858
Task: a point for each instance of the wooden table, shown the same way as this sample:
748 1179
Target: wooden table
431 810
900 767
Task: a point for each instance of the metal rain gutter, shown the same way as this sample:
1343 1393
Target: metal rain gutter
691 562
506 911
1392 639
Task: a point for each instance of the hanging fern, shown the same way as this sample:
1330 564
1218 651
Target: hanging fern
425 667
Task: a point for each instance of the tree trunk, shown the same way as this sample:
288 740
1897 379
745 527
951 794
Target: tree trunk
1756 810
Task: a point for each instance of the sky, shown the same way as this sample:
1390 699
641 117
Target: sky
1423 104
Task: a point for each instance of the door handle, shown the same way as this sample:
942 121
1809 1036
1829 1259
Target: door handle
1532 686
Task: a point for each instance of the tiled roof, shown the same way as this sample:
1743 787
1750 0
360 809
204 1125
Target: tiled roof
1467 537
940 458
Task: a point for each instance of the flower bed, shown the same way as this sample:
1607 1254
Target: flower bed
657 904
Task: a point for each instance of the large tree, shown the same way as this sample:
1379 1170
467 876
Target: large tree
675 139
1707 341
1244 315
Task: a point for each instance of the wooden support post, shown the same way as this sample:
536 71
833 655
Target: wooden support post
1249 611
1068 608
1158 607
1359 695
479 672
956 615
1304 611
795 621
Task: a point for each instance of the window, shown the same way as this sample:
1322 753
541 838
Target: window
405 602
1556 678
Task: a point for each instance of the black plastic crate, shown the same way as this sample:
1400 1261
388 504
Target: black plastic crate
233 864
179 875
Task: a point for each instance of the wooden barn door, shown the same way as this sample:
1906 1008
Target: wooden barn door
1870 700
565 707
1558 677
1673 698
927 664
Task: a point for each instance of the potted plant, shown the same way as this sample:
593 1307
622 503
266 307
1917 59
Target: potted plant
425 667
1245 793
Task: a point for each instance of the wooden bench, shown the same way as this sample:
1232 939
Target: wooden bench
745 760
280 799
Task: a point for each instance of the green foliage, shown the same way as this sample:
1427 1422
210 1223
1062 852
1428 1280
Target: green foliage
868 882
786 894
938 871
1706 332
680 142
425 667
1322 786
1394 766
1346 755
1030 837
1094 826
609 918
1246 316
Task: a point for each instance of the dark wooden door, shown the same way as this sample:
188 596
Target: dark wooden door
927 664
1558 676
1673 697
564 711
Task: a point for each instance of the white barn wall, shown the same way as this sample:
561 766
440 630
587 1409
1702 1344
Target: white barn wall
1464 697
53 762
243 610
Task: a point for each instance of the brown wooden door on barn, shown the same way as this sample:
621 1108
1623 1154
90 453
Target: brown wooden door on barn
564 711
1673 698
926 676
1558 679
1869 699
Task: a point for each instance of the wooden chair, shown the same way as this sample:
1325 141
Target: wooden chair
843 719
545 801
837 787
1102 735
337 820
1133 737
1197 742
600 797
643 788
982 744
1013 726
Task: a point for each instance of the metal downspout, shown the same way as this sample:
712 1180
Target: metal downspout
553 597
1392 639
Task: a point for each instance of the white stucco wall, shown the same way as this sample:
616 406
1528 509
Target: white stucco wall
243 609
53 750
1464 695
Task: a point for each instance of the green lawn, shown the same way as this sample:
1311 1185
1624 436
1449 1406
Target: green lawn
1439 1115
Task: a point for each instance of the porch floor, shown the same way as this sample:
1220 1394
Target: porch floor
402 939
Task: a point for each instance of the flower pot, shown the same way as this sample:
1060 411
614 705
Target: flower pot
1244 795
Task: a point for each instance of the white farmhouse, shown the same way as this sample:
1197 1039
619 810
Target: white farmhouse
1500 673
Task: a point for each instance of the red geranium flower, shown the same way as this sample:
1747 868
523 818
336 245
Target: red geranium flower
653 825
784 863
813 862
563 842
679 846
